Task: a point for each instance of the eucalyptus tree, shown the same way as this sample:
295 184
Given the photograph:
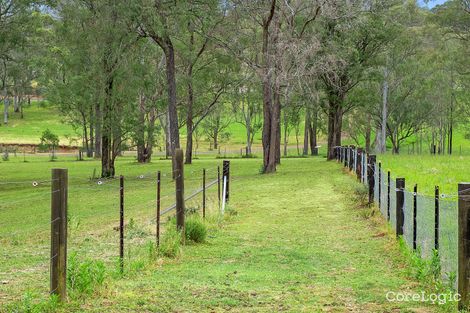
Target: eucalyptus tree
21 25
352 36
93 45
260 36
247 105
204 76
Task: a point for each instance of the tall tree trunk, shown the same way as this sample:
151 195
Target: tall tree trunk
269 140
313 129
382 147
306 131
276 123
150 135
172 110
89 152
167 137
107 160
189 118
140 131
16 106
248 133
215 134
98 123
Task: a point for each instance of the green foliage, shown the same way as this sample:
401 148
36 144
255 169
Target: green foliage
170 243
84 277
48 141
195 229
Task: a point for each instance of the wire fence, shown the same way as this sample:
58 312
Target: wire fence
93 224
430 223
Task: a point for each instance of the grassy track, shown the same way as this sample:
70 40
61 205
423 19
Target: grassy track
298 244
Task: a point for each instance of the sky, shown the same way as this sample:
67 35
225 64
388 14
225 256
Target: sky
431 3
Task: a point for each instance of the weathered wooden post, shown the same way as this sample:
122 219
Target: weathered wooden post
351 157
346 155
121 223
464 246
359 164
400 214
158 207
179 189
226 177
204 193
415 211
370 176
389 182
59 195
436 218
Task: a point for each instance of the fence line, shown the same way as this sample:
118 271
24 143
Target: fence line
433 226
108 189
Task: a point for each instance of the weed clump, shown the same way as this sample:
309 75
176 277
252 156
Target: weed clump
84 277
170 244
195 230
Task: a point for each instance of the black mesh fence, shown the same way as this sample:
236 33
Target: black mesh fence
420 213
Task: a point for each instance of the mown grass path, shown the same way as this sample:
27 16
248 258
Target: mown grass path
298 244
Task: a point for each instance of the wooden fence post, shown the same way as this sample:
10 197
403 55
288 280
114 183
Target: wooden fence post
389 182
400 214
346 154
436 218
380 185
415 210
158 207
179 190
464 246
226 175
204 193
121 223
351 158
359 164
59 195
371 176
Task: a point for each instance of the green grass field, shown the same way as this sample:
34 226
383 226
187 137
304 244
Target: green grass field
40 116
299 242
37 118
428 171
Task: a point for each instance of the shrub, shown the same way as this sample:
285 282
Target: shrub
170 243
84 277
195 229
49 141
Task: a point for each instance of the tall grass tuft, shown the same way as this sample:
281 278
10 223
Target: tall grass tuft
195 229
170 243
84 277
